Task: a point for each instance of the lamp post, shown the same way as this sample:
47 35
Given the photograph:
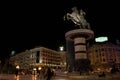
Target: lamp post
17 70
34 69
39 68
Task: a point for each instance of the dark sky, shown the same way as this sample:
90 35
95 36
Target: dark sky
25 25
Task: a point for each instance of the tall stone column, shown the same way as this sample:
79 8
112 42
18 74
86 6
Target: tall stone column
79 38
70 56
80 48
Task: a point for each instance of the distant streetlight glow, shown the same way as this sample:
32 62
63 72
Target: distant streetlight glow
34 69
17 67
39 68
12 52
61 48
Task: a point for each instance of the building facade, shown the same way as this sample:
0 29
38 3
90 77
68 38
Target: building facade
38 57
104 56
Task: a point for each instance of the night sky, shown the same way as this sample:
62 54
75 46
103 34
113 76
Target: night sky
26 25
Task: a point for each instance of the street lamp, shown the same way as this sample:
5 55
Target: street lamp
13 53
17 67
39 68
34 69
17 70
61 48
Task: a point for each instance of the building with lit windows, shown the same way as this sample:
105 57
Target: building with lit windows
104 56
38 57
63 60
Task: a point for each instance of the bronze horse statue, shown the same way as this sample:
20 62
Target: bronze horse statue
77 18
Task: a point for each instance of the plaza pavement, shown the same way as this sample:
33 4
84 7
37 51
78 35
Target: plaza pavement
28 77
61 76
76 76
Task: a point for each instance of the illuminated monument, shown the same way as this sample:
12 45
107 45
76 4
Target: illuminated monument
78 37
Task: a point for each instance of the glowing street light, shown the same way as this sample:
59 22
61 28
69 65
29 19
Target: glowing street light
13 52
39 68
61 48
34 69
17 67
17 70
